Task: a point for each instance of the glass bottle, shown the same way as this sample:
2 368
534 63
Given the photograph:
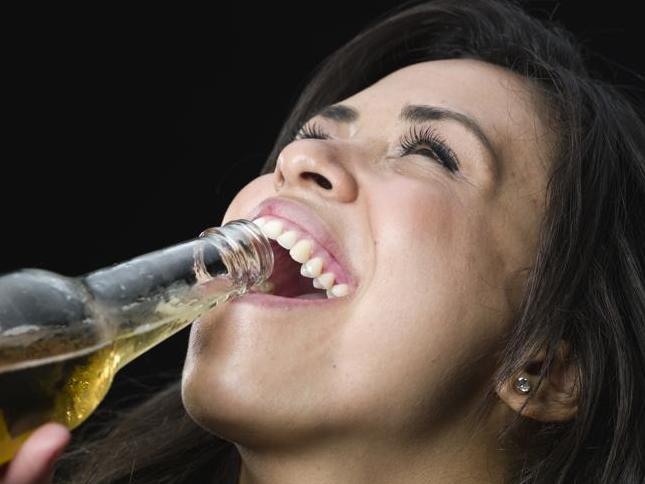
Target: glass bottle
63 339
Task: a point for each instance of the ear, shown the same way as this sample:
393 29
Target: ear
556 399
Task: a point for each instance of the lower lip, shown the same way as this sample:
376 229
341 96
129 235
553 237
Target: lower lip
268 300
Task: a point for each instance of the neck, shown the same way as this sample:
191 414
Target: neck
457 457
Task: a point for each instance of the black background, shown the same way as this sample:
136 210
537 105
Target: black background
126 131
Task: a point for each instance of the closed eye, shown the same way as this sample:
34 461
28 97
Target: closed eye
419 140
311 131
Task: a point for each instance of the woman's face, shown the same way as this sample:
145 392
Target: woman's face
440 260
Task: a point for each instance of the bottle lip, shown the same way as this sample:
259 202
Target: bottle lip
245 251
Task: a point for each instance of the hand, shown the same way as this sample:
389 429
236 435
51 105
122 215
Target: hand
34 461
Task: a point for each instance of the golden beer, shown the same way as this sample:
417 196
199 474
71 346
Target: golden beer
68 387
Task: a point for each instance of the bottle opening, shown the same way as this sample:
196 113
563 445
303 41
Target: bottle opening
245 251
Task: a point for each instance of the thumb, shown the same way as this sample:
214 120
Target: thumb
34 461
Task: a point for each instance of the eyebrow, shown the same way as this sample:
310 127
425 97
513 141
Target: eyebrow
418 113
339 112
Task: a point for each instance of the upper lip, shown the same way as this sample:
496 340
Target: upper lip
309 220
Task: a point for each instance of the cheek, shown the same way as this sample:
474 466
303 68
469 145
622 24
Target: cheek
420 332
417 237
434 240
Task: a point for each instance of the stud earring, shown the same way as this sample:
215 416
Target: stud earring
522 385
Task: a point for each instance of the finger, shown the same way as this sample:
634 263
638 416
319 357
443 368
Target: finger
34 461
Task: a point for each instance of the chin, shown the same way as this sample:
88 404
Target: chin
225 409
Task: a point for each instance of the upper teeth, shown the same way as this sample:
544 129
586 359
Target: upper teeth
301 249
312 268
287 239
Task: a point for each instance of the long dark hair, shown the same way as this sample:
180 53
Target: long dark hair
587 285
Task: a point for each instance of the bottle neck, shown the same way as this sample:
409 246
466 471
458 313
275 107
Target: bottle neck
244 250
142 301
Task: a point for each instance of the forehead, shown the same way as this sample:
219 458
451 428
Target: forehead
488 92
501 102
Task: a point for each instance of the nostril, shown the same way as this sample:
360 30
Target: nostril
321 180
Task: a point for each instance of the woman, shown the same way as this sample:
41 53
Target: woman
486 196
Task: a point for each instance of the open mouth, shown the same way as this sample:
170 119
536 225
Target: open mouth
286 279
303 269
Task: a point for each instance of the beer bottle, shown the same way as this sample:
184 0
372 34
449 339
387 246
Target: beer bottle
63 339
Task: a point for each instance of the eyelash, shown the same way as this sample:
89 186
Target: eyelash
412 142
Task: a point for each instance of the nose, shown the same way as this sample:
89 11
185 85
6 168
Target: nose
315 165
